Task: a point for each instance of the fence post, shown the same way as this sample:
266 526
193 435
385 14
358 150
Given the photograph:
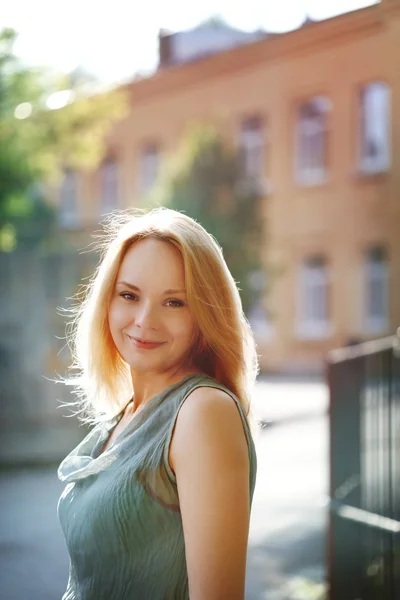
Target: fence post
345 384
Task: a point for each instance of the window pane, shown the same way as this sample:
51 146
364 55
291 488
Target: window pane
314 294
149 166
311 144
375 126
68 200
377 254
376 288
376 298
108 186
251 143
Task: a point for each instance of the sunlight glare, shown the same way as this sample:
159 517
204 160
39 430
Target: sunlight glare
60 99
23 111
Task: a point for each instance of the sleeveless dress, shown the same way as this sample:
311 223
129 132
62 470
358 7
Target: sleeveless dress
120 509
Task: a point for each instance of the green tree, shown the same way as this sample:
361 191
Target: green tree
204 180
48 121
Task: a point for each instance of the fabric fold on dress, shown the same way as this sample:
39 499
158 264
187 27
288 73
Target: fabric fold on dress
120 509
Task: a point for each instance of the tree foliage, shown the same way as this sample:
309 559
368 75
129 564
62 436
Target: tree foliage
37 142
204 180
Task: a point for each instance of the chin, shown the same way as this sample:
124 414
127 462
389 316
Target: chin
143 363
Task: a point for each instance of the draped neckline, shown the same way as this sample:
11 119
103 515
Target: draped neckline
88 458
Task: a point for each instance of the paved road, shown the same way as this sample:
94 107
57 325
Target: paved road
289 510
288 517
277 399
33 558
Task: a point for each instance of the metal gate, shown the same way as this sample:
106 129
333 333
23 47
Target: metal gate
364 531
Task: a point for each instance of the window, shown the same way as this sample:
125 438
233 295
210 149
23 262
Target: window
67 209
376 290
311 152
252 139
258 315
252 147
149 167
374 152
108 186
313 299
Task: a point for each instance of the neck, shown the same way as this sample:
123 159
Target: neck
146 385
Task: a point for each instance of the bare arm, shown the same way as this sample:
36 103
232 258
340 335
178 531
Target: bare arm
209 456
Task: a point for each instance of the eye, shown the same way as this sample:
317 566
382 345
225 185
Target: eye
175 303
128 296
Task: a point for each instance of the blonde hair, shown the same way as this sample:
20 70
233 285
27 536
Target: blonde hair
224 346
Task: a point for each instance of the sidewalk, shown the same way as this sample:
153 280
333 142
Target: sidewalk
289 513
279 399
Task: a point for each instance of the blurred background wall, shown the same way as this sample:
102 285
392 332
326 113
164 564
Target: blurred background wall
315 116
33 355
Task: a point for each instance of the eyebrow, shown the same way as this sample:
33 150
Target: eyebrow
136 289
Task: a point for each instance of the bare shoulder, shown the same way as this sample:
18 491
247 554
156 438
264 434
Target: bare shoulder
209 418
208 407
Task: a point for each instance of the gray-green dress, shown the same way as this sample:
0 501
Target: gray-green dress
120 510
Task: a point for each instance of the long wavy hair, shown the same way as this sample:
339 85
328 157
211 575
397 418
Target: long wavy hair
223 346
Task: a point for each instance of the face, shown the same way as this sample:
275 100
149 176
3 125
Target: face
149 319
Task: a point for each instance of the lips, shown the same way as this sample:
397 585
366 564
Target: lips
145 344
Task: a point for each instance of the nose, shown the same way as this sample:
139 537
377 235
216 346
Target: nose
145 316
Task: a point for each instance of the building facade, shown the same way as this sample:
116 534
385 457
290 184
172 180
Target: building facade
316 112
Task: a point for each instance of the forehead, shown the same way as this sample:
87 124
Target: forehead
153 259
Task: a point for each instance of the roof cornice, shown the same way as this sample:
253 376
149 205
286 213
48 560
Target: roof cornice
318 35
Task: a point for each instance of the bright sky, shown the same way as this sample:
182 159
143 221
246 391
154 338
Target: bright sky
115 39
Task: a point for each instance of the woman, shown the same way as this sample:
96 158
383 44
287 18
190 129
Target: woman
158 498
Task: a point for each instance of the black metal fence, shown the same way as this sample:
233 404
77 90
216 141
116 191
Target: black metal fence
364 535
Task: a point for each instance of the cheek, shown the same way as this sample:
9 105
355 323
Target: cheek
184 328
115 317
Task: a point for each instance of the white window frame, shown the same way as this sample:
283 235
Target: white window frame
68 200
109 186
149 166
313 281
376 272
311 168
252 145
375 109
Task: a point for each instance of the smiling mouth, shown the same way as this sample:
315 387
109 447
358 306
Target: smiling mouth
144 343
